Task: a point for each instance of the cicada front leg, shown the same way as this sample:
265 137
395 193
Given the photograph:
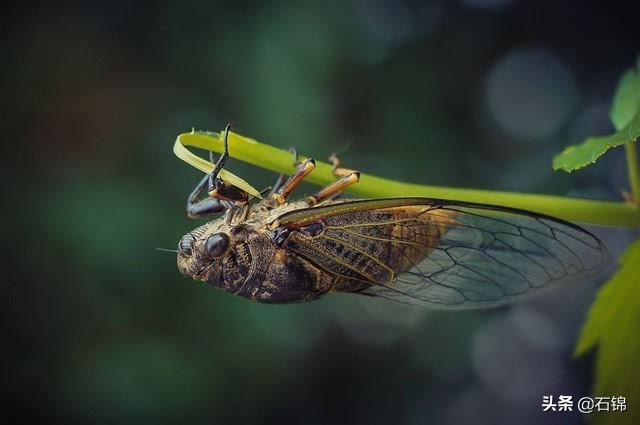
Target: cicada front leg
222 195
197 207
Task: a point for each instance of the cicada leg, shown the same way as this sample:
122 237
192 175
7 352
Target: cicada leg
334 189
225 191
206 206
224 156
337 170
282 177
307 166
222 195
347 178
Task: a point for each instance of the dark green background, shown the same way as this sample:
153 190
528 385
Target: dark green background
101 328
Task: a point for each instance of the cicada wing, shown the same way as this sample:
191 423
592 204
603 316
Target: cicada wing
490 257
444 254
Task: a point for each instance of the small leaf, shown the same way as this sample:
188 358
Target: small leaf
613 327
626 102
625 115
579 156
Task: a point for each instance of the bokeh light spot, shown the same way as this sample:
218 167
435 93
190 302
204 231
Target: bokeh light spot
531 94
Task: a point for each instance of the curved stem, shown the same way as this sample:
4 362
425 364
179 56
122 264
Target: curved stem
279 160
634 173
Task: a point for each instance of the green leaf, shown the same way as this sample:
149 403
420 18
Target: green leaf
625 115
579 156
613 326
626 102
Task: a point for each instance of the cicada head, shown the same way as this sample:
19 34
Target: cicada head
216 253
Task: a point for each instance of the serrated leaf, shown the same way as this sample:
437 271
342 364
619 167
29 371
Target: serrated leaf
625 115
579 156
613 327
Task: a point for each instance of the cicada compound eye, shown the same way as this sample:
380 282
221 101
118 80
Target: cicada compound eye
185 246
216 244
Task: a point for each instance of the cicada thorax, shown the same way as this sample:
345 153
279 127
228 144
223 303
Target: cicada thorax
289 278
366 247
256 268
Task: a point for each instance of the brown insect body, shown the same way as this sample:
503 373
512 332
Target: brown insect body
270 263
436 253
430 252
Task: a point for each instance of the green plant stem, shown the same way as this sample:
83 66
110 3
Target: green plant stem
634 173
279 161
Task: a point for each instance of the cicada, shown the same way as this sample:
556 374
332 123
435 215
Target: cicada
430 252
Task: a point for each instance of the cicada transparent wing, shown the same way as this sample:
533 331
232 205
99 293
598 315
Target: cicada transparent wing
442 254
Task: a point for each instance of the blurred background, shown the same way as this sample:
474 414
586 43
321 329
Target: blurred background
101 327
